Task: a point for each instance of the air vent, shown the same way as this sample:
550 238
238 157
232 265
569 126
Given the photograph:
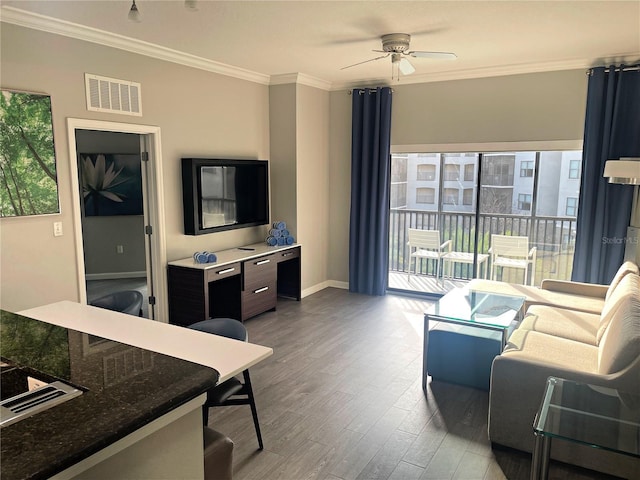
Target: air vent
34 401
113 95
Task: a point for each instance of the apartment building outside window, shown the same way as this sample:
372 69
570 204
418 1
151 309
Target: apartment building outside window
498 170
526 168
574 169
524 201
571 209
452 172
426 172
469 172
426 195
512 193
450 196
467 196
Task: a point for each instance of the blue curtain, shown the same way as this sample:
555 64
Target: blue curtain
612 130
370 171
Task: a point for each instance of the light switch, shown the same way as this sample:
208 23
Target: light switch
57 229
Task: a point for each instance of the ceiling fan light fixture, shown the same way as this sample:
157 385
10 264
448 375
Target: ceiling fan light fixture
406 67
134 13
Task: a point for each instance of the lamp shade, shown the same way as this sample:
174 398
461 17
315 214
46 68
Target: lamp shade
625 171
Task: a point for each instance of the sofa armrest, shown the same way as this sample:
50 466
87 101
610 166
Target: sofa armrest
575 288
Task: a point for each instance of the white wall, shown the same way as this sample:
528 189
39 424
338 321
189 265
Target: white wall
314 191
204 114
199 113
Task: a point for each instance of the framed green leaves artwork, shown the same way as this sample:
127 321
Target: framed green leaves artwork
28 183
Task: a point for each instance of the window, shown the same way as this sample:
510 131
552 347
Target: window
426 195
572 207
467 196
469 172
450 196
574 169
526 169
498 170
426 172
452 172
524 201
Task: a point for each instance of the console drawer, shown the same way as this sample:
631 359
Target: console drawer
288 254
259 272
223 271
258 300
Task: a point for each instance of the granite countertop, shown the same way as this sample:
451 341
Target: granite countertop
124 388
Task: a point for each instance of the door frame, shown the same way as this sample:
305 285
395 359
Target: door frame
150 140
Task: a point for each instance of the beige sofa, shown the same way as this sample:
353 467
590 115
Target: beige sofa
564 335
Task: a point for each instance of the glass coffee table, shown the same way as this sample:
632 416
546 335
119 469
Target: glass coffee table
595 416
472 309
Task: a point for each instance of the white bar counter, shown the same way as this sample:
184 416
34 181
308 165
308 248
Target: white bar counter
229 357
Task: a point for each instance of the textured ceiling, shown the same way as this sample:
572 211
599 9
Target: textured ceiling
318 38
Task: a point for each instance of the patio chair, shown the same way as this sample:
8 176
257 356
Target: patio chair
427 245
512 252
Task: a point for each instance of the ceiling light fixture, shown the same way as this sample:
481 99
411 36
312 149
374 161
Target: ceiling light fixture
134 13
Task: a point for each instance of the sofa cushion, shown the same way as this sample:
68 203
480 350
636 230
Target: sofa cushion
625 269
563 323
620 344
537 296
552 351
629 286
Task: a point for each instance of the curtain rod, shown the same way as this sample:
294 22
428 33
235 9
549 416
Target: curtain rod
629 68
371 90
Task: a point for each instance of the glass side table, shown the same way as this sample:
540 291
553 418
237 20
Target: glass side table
591 415
473 309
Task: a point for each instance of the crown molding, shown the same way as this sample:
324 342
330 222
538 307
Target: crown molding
300 79
23 18
496 71
44 23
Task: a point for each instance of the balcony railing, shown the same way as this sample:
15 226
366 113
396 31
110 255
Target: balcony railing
554 238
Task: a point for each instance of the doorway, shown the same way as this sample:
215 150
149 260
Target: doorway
118 211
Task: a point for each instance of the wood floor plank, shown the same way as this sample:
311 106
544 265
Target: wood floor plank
341 399
406 471
388 457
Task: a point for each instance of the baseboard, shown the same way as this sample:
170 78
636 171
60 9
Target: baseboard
114 275
321 286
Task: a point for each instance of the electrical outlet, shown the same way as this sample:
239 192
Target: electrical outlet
119 249
57 229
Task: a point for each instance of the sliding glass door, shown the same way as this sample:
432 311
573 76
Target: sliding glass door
467 198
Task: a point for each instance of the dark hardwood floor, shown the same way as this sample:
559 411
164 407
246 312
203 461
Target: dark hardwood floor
341 399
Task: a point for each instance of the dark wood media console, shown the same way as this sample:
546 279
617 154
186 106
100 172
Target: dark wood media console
243 283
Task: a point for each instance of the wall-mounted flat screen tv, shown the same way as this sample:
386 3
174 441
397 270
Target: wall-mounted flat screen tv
221 194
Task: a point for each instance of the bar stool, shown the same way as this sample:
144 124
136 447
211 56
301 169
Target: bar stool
232 391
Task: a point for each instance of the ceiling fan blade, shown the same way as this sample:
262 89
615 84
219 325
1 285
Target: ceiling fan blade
405 66
435 55
366 61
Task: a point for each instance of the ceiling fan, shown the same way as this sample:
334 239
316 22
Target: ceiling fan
396 45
